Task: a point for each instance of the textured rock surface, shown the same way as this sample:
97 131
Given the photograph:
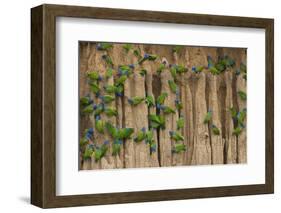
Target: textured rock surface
198 93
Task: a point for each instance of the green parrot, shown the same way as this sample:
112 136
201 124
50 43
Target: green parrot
121 80
109 111
178 104
237 131
181 69
176 136
109 73
100 124
113 131
127 47
107 60
124 70
149 137
116 147
168 110
147 57
214 71
135 100
125 133
83 141
88 153
180 123
242 95
88 109
94 75
104 46
143 72
208 117
149 100
137 54
173 71
233 112
173 86
220 67
98 109
160 68
85 101
197 69
153 147
241 116
228 62
100 152
178 147
156 121
110 89
161 98
140 135
177 49
215 130
94 87
107 99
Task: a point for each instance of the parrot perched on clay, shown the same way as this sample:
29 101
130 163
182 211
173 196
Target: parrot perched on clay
116 147
107 60
140 135
127 47
107 99
180 123
208 117
178 147
156 121
167 110
147 57
173 86
104 46
149 100
110 111
176 136
197 69
242 95
215 130
100 151
135 100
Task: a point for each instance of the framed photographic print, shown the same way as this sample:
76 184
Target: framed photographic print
136 106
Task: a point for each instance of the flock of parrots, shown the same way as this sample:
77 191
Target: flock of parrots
88 147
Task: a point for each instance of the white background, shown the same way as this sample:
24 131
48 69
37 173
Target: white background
15 105
71 181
